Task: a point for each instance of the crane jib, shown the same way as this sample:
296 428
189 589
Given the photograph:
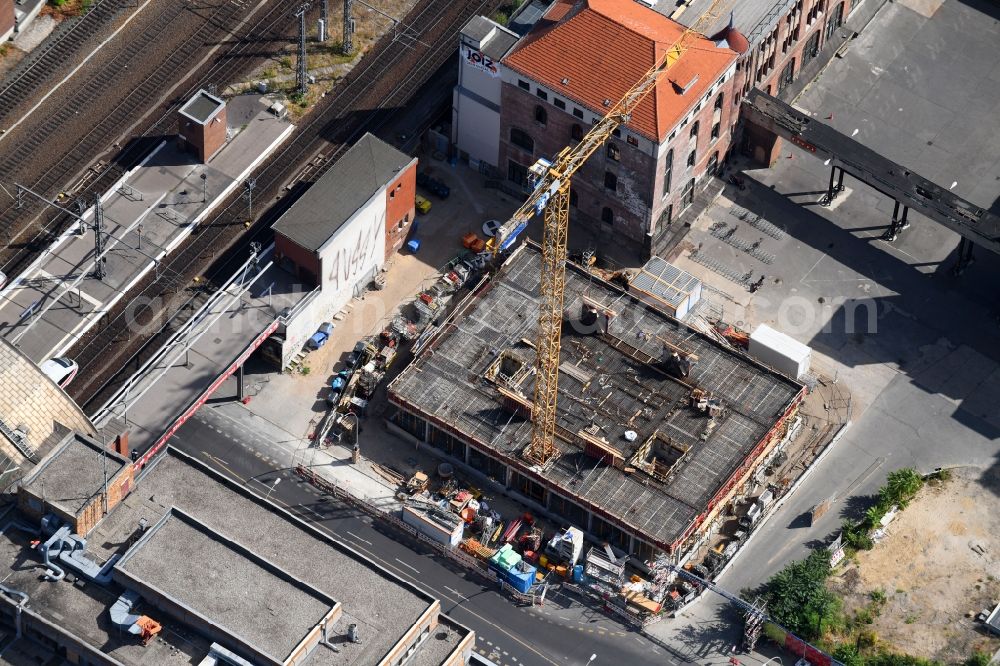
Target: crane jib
509 240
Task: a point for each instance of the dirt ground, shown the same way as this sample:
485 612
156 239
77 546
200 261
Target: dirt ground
938 566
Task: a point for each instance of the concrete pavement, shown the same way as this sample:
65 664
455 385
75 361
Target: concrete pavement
916 346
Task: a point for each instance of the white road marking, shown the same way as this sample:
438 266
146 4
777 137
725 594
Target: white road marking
318 515
362 540
405 564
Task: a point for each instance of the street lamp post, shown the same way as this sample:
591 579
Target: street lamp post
356 450
274 485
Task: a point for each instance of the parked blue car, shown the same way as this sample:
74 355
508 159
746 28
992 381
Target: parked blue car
320 337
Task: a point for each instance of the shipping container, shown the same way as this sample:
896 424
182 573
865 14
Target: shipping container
779 351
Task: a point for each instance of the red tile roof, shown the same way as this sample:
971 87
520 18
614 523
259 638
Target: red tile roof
603 47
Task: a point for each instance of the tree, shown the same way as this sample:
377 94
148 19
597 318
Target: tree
797 597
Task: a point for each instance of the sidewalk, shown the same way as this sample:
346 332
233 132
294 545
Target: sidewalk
148 214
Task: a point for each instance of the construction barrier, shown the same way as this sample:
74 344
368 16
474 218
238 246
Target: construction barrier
455 554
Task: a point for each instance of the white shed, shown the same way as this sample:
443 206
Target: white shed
779 351
663 285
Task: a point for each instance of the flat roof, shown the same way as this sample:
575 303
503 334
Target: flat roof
494 39
226 583
73 473
384 606
202 107
664 281
753 18
608 384
368 166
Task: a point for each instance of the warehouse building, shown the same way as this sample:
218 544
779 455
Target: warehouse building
192 568
659 426
787 42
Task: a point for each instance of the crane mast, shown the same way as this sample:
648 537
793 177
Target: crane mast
550 194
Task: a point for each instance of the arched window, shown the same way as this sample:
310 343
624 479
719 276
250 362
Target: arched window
541 115
668 172
607 216
576 132
718 100
522 139
694 130
610 181
614 152
688 196
691 158
713 164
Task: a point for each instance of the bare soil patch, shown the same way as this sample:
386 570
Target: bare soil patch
938 567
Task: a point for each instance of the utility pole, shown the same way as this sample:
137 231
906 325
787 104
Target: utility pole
348 43
248 186
99 260
300 74
324 20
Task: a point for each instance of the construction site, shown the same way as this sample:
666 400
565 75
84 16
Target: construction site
659 426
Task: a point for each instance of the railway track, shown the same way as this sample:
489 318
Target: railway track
385 80
38 67
25 243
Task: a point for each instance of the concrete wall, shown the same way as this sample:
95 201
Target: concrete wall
352 255
476 106
399 208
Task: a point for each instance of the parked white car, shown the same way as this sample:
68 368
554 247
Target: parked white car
61 370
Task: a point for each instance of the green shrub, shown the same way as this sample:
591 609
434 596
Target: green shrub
877 596
900 487
978 659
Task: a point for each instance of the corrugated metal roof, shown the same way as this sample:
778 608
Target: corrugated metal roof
665 281
363 170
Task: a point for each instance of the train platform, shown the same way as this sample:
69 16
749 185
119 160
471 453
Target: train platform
237 318
148 214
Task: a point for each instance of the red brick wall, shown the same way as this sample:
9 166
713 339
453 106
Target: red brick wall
6 16
708 151
305 264
399 208
635 170
205 140
639 202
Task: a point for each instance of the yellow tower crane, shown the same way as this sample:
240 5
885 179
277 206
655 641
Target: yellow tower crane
551 181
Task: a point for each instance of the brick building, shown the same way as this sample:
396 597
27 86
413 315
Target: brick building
339 234
201 125
7 19
785 41
582 56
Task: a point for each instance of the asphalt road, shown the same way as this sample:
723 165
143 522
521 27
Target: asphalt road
506 634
